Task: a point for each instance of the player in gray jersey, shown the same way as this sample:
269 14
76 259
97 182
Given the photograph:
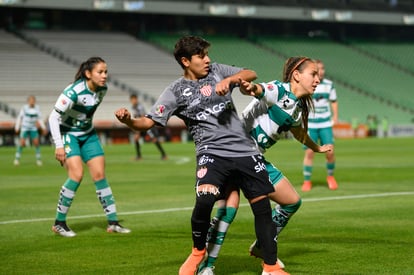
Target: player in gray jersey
278 107
27 126
224 150
76 141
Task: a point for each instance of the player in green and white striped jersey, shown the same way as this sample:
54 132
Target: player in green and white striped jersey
320 129
27 126
279 107
76 140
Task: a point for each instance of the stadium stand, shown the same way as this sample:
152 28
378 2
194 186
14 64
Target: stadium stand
268 62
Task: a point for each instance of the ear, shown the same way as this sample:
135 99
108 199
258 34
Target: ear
296 75
88 74
186 62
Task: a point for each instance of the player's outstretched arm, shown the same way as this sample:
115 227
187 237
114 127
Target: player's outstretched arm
137 124
302 136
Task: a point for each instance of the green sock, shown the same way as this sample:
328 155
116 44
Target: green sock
66 196
307 172
38 156
330 167
18 152
104 193
282 213
217 233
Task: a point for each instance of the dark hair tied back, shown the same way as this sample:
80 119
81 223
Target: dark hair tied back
88 65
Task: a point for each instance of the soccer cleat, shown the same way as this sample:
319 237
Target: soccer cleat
255 251
208 270
189 267
16 162
273 270
117 228
332 182
62 229
306 186
39 162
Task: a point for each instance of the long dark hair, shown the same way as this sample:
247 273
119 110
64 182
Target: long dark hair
88 65
306 102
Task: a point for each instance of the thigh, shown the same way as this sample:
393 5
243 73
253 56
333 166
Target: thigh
213 170
326 136
91 147
254 179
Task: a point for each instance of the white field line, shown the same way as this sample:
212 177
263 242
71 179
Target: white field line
351 197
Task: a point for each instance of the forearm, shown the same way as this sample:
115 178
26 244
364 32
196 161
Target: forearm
247 75
302 136
140 123
55 129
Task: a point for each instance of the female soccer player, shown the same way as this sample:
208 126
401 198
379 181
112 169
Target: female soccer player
278 107
27 123
76 141
224 150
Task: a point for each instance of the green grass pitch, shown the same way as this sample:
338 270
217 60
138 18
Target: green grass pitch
364 227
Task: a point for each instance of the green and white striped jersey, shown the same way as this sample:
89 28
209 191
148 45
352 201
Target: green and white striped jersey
325 93
76 106
28 118
276 112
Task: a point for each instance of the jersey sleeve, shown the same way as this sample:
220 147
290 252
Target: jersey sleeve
164 107
19 119
270 92
65 101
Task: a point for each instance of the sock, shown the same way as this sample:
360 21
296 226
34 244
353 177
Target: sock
330 167
158 144
265 230
104 193
19 150
200 219
66 196
38 156
217 232
282 213
307 172
137 149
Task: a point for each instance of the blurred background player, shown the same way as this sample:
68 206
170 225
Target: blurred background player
27 126
138 110
320 127
76 141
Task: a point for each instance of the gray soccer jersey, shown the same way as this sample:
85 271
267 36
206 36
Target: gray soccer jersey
276 112
211 119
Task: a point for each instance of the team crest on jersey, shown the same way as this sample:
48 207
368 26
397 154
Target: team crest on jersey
206 90
159 110
63 101
201 172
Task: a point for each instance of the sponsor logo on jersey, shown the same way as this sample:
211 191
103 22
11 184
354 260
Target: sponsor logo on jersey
201 172
187 92
159 110
206 90
203 160
218 108
63 101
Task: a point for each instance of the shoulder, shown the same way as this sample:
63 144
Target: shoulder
327 82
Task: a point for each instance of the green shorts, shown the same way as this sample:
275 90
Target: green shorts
275 174
321 136
32 134
87 146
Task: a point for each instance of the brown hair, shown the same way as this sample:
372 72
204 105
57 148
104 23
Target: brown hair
299 63
88 65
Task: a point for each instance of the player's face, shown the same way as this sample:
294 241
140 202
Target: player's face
198 66
31 101
309 78
97 77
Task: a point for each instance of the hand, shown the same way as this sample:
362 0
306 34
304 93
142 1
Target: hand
247 88
223 87
325 148
123 115
60 155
